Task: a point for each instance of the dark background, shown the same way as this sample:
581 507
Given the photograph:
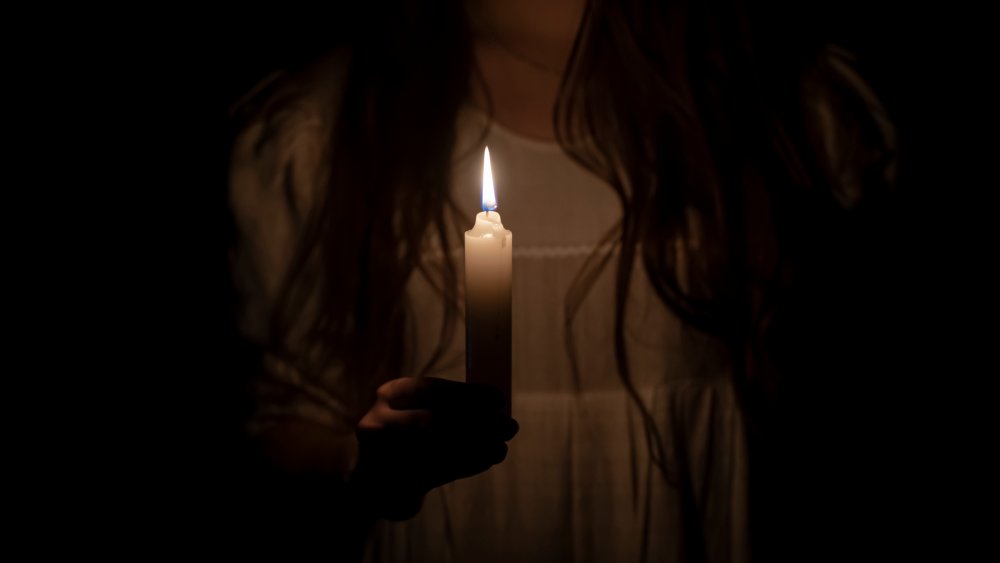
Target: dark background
150 363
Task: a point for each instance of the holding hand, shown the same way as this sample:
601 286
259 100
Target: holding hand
424 432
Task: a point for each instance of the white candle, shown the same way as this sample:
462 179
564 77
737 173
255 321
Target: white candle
488 294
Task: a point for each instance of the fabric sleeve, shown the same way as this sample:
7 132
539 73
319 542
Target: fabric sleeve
849 130
275 176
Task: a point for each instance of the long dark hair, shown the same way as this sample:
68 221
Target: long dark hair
386 190
695 135
695 125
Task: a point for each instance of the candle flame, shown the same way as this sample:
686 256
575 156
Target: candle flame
489 195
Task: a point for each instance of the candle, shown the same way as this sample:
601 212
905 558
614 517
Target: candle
488 294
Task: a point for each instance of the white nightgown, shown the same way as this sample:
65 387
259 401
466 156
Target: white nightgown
578 483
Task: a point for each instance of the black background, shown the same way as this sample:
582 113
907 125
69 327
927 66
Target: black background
133 366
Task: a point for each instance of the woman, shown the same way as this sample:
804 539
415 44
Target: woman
683 205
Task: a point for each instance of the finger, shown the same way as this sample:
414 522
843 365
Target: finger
472 461
475 423
493 453
382 416
493 426
479 396
508 429
404 392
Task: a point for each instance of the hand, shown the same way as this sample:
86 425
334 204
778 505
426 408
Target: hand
425 432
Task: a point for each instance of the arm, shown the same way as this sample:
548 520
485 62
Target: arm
313 454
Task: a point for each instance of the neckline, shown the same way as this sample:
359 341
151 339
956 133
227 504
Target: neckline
513 136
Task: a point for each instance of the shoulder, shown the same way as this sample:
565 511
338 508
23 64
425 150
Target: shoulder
848 128
282 128
276 174
285 97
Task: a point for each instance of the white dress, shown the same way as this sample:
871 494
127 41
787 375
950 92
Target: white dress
578 483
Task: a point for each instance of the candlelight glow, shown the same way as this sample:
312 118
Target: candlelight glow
489 196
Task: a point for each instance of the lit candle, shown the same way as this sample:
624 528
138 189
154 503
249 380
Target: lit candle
487 294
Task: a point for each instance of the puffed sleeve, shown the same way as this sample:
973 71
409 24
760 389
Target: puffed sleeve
276 177
849 129
827 338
